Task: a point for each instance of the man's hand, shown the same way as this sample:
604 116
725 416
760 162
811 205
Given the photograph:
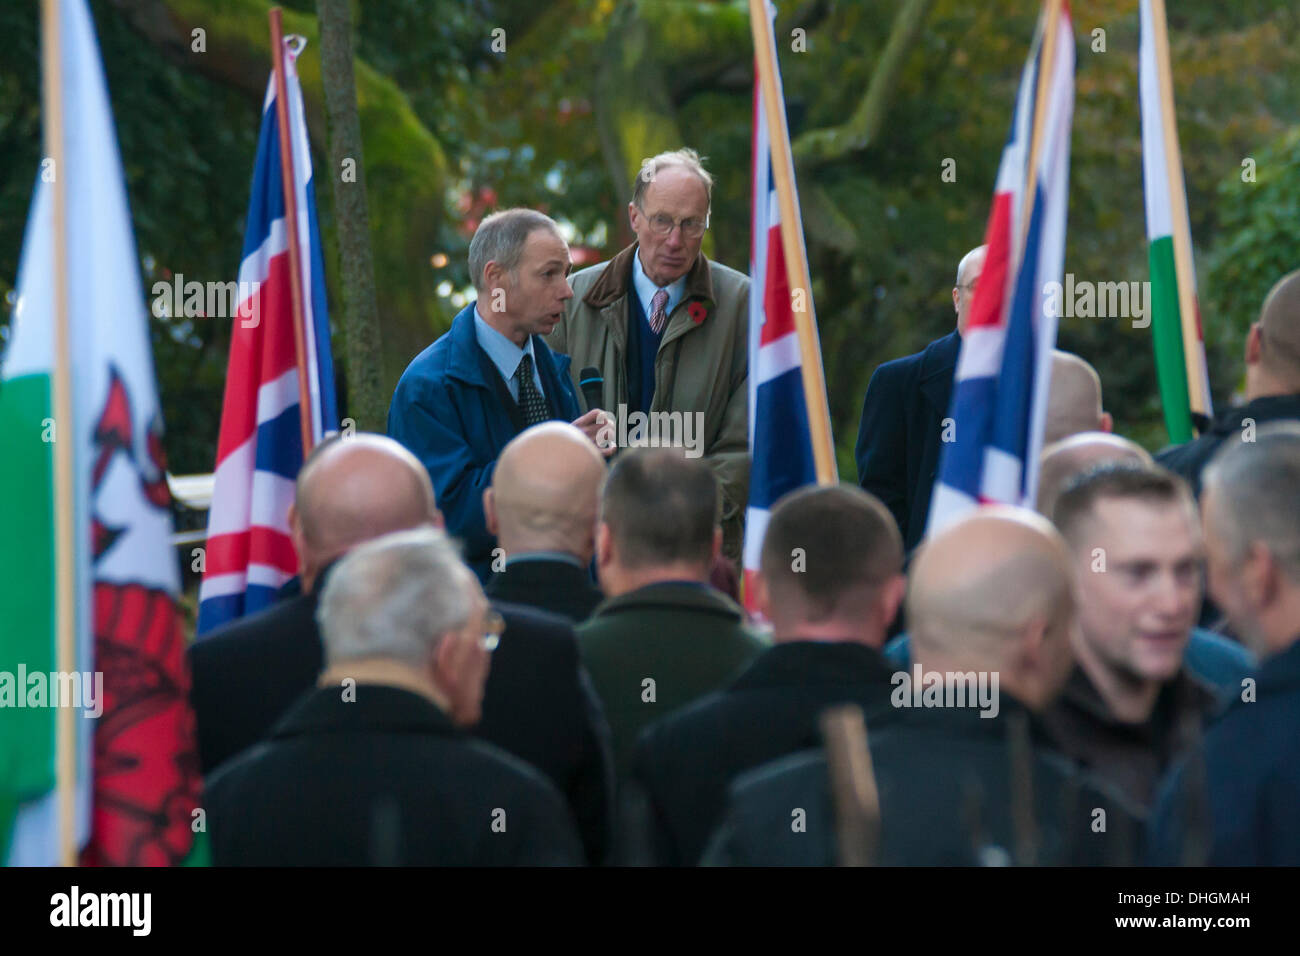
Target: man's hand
598 425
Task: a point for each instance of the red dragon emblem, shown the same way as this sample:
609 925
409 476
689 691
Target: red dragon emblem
147 780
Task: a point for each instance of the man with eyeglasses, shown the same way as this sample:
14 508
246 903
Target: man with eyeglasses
668 328
903 415
369 767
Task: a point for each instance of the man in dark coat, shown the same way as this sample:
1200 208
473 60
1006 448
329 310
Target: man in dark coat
830 613
491 375
663 637
538 704
962 775
1272 384
542 507
899 439
370 767
1234 800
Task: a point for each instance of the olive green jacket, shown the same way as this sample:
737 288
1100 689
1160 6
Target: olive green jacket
702 365
658 648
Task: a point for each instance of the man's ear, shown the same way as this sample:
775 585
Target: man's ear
1260 576
956 295
604 545
1107 423
716 547
891 597
438 521
296 534
762 595
1254 344
490 512
632 215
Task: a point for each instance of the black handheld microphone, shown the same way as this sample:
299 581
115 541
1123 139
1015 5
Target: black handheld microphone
592 384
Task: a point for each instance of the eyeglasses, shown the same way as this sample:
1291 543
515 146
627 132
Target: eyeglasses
662 224
494 625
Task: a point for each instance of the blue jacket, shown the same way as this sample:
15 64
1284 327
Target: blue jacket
1236 802
1214 659
453 410
902 421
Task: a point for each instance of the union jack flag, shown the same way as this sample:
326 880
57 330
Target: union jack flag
1000 389
780 440
249 554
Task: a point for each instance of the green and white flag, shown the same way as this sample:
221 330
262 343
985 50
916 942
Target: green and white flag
1175 317
136 781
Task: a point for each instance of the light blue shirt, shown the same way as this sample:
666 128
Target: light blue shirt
646 289
505 355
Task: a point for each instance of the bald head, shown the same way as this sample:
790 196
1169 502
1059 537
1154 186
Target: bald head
546 491
993 592
1074 399
1072 456
351 490
968 273
1277 351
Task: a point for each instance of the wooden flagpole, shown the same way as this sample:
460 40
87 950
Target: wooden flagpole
1180 226
291 225
792 244
65 437
1052 8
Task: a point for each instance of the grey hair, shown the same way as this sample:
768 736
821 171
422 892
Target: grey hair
1257 483
686 158
500 238
961 266
395 596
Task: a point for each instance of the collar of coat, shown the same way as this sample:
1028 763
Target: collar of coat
377 708
678 595
616 280
466 360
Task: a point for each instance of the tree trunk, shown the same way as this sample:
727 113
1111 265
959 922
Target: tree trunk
367 403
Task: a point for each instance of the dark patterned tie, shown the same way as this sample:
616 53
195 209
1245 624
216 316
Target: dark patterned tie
657 315
531 401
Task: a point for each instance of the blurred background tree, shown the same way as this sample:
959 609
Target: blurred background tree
472 105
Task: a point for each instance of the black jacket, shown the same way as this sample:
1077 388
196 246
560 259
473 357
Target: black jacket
1234 801
899 438
549 585
685 761
1190 458
945 781
386 780
538 703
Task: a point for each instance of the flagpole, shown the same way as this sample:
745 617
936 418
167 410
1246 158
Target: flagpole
291 226
1052 8
792 244
1193 350
65 436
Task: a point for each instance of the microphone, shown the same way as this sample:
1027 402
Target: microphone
592 384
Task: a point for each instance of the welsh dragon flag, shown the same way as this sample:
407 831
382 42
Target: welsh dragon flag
1176 322
137 779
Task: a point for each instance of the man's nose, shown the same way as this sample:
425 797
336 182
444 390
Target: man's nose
568 291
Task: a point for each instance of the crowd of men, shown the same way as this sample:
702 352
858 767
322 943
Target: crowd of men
516 643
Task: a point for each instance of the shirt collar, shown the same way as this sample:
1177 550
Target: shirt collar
505 355
646 289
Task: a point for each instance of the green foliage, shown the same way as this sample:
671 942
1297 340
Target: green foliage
584 88
1257 243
